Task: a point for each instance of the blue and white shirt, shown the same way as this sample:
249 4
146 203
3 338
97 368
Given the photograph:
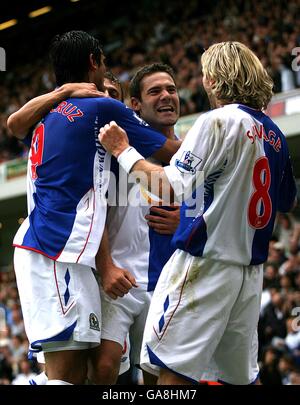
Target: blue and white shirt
135 246
67 177
247 178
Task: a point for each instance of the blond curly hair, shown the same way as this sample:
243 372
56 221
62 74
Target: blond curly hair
238 75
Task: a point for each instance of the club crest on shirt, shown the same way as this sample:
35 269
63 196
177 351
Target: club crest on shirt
188 163
94 323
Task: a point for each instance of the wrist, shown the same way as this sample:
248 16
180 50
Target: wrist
62 92
128 157
104 265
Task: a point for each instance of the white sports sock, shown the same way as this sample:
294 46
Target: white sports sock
57 382
40 379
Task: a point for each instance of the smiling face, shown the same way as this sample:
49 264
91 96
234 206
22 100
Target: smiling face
159 103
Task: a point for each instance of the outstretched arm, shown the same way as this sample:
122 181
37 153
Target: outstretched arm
168 183
20 122
151 176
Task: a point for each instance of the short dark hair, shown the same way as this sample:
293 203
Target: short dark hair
135 83
70 52
111 77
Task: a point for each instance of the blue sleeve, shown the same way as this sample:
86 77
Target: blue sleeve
288 190
28 138
141 136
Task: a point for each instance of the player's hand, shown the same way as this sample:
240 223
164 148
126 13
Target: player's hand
113 138
116 282
81 90
164 222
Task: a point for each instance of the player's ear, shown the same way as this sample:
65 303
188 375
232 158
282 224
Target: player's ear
93 64
211 81
135 104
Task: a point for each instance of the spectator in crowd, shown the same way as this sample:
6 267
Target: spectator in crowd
286 365
24 373
269 373
292 339
272 321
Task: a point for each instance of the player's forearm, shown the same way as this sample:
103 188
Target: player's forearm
165 153
103 257
154 179
20 122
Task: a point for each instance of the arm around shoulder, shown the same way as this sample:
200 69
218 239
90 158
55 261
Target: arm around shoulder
20 122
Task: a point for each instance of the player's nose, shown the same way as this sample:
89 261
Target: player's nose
164 94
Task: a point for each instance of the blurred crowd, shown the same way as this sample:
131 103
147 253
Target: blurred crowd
278 328
175 33
15 368
279 323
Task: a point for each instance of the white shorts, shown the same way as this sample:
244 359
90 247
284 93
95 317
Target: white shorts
124 315
202 321
125 359
60 303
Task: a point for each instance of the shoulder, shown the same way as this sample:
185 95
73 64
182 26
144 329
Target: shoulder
235 118
110 103
115 108
103 103
214 121
217 115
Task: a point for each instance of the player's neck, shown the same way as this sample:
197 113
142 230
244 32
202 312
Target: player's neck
169 132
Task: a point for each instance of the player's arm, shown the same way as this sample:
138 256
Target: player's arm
164 221
169 149
151 176
20 122
193 162
143 138
116 282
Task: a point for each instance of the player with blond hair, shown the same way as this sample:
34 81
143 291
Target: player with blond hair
203 316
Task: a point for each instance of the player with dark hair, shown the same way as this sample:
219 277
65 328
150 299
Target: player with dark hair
72 54
113 87
135 87
133 245
203 316
55 247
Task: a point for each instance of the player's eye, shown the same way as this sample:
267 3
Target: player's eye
113 94
153 91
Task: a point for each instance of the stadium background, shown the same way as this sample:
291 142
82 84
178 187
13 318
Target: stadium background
133 35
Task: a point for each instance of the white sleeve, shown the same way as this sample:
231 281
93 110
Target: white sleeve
202 152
